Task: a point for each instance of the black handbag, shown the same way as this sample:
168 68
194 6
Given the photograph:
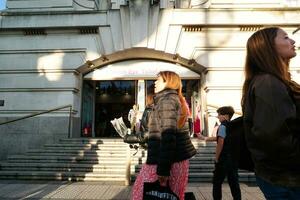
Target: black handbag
154 191
131 139
140 138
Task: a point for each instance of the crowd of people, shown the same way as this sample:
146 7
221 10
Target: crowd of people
271 113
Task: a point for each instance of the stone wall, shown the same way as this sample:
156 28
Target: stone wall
32 133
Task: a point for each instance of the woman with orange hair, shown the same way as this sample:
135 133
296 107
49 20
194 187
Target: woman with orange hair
169 144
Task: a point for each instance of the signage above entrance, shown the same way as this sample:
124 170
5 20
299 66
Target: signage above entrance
138 69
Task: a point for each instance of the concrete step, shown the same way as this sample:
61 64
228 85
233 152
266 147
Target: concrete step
202 161
61 169
199 149
88 151
68 176
207 177
99 155
195 141
83 159
198 177
205 155
86 146
79 151
200 169
64 167
65 159
92 141
192 169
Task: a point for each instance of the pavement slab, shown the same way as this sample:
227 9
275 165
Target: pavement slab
64 190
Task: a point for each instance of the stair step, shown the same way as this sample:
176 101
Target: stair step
64 156
92 141
67 160
62 167
88 159
195 141
84 146
70 176
106 152
99 155
88 151
204 177
102 165
208 177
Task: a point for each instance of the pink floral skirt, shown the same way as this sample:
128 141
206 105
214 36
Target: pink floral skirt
178 179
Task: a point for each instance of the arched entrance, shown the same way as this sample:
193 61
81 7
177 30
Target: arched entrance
112 84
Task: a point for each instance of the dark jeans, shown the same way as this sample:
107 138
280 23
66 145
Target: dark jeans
222 169
274 192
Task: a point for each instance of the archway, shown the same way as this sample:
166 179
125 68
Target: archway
132 72
140 53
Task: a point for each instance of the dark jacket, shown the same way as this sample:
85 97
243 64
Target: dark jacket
167 144
145 118
273 131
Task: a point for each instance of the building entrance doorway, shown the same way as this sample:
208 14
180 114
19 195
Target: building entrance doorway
110 92
113 99
105 100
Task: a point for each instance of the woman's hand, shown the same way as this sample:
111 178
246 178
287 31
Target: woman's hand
163 180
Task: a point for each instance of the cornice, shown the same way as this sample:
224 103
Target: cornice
74 90
37 71
66 12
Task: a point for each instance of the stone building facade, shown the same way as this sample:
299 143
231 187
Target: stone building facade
73 52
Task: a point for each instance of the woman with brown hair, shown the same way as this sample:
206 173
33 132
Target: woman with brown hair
169 144
271 113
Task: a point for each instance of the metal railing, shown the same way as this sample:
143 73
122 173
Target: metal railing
44 112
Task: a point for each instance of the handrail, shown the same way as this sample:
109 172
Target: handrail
43 112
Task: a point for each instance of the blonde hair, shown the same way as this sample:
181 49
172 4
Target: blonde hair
173 81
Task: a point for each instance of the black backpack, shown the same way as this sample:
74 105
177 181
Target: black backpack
238 146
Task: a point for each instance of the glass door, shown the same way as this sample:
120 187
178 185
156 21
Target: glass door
113 99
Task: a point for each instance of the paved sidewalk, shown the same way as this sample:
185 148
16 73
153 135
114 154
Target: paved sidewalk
97 190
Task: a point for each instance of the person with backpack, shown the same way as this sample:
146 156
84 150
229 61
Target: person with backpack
143 133
144 127
225 165
271 109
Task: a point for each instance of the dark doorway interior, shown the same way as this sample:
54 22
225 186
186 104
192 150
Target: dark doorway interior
188 88
113 100
104 101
